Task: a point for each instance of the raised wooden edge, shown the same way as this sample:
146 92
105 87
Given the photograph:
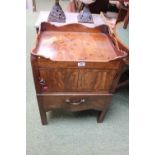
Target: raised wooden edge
116 46
75 94
124 54
75 27
45 26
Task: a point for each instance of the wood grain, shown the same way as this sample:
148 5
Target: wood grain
89 46
61 82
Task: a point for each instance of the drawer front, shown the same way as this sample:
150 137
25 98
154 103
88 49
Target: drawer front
75 102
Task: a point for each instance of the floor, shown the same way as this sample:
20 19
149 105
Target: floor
70 133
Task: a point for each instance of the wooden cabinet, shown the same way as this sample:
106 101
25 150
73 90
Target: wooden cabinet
75 68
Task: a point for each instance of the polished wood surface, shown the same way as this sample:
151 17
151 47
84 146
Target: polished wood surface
69 46
85 80
75 102
63 45
81 72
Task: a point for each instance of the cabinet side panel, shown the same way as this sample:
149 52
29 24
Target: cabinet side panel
35 72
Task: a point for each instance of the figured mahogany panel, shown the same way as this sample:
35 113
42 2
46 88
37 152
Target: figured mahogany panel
60 80
77 80
95 80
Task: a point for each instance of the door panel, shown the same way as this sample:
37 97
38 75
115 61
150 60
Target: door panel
77 80
95 80
60 80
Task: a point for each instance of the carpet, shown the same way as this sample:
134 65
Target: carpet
73 133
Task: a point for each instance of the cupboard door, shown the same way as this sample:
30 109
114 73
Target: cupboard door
59 80
95 80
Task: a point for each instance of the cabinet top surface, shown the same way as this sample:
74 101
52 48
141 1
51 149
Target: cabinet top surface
75 46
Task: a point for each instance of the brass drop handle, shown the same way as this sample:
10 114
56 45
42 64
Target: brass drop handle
74 102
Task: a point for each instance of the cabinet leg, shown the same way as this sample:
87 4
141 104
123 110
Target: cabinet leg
101 116
43 117
42 111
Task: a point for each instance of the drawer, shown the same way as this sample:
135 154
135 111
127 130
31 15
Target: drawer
75 102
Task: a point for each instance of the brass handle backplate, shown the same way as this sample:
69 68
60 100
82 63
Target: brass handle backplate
74 102
42 82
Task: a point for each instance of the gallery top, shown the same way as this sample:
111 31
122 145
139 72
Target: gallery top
75 42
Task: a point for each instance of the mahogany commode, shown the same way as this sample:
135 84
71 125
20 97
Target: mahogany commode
75 68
